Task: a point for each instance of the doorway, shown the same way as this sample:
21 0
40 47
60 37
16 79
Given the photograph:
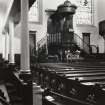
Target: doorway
86 42
32 38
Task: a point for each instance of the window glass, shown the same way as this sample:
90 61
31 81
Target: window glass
34 13
84 13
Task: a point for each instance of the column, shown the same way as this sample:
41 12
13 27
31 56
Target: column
25 73
3 46
6 47
25 56
11 41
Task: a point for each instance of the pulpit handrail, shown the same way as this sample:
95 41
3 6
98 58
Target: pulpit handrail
90 46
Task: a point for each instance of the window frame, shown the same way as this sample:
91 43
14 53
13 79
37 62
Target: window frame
40 13
91 13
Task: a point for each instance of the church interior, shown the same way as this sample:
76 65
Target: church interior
52 52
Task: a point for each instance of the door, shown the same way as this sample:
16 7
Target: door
32 36
86 42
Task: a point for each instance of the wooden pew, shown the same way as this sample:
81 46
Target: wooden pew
84 82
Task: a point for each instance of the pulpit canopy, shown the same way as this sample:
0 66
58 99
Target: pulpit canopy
66 8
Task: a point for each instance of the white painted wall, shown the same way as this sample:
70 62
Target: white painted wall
101 17
101 10
41 29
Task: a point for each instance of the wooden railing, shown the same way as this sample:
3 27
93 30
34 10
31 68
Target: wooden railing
79 41
3 101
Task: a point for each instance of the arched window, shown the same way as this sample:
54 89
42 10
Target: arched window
84 13
35 12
